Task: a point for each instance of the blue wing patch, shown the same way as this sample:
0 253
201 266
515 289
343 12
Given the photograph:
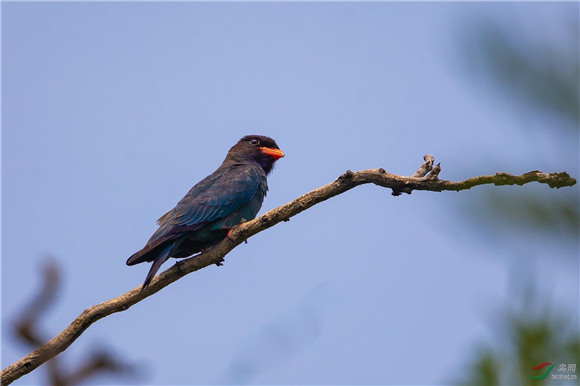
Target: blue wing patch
217 196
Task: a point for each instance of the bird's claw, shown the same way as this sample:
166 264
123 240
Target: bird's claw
220 263
230 232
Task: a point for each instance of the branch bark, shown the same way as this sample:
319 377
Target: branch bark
426 178
27 329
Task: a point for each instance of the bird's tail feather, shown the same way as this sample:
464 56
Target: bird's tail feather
161 258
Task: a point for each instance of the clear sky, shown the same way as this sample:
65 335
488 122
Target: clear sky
112 111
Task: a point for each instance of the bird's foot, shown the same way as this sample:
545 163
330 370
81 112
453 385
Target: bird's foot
220 263
230 232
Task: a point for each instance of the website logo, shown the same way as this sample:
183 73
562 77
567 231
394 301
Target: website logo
546 372
563 372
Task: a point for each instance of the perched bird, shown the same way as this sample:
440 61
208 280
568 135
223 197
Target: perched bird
216 204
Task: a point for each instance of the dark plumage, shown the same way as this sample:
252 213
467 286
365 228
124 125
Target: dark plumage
217 203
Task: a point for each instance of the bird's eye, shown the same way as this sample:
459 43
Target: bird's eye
254 141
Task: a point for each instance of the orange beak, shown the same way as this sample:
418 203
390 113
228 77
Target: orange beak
274 153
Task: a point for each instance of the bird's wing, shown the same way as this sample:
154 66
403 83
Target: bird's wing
162 218
216 196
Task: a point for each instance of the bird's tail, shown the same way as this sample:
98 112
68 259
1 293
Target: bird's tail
161 258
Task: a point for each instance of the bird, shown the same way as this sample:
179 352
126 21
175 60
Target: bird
214 206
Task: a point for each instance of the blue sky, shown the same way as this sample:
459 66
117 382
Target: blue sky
112 111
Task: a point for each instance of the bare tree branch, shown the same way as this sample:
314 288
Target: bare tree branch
27 325
426 178
28 330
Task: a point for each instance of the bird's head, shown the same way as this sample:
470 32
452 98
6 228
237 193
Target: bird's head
259 148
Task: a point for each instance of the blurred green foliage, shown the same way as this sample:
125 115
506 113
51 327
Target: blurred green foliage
529 332
545 78
545 75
